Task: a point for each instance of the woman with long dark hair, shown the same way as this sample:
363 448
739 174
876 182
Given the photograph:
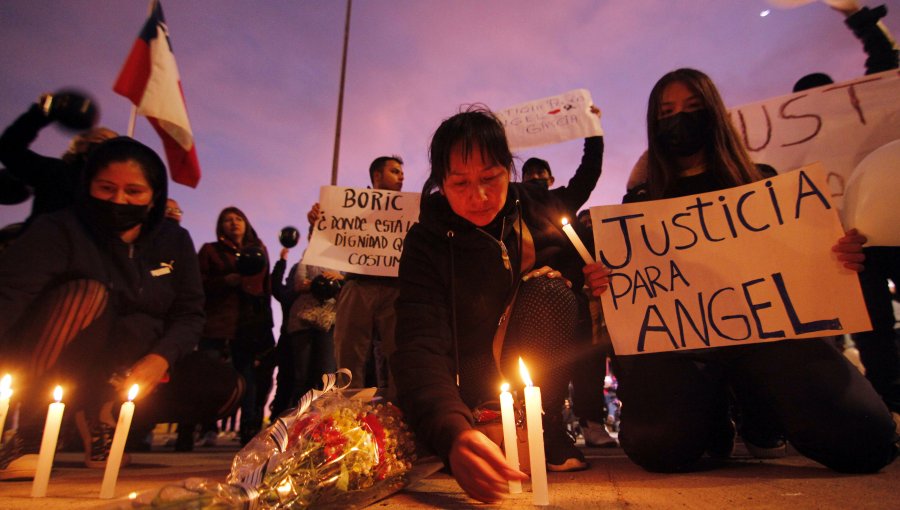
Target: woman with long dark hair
235 271
487 250
675 405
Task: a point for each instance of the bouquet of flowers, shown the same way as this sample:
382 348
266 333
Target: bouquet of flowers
330 452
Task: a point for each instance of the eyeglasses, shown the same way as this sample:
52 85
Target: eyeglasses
173 210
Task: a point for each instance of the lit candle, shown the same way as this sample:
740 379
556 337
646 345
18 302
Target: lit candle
576 241
533 412
48 445
5 394
510 442
117 449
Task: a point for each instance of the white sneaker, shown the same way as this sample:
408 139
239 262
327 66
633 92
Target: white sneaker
20 468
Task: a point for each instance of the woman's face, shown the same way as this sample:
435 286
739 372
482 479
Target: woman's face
475 189
234 227
677 97
122 182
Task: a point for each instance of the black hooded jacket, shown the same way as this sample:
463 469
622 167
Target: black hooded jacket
154 283
457 277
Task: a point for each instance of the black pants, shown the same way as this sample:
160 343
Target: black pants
879 349
68 338
303 356
673 404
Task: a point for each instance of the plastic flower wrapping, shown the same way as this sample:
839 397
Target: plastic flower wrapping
332 451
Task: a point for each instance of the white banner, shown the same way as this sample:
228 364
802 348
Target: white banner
550 120
361 230
838 124
744 265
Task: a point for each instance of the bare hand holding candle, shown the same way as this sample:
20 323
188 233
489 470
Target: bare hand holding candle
533 412
48 445
510 442
576 241
117 450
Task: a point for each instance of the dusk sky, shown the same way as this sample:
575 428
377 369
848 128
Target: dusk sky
261 79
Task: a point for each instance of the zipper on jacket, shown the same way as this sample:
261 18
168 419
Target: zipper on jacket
504 254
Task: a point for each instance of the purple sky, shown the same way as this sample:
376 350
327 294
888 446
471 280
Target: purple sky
261 79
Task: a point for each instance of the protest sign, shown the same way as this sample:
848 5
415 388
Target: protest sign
744 265
361 230
838 125
550 120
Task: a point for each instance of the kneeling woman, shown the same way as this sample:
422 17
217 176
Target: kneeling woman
103 296
476 245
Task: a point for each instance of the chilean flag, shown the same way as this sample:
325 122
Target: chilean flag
150 80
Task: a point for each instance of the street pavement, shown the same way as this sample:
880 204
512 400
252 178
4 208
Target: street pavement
612 482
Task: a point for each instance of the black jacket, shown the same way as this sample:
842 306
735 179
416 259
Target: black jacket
452 269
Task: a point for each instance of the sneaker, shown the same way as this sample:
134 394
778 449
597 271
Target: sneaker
208 439
14 463
560 451
775 449
595 434
97 438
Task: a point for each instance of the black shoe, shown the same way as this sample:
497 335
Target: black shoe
721 440
559 449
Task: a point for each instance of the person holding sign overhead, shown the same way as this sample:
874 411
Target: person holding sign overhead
675 404
486 250
365 319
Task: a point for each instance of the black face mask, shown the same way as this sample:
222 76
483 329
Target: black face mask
543 182
115 218
684 133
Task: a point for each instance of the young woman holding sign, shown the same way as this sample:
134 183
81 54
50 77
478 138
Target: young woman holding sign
676 404
481 241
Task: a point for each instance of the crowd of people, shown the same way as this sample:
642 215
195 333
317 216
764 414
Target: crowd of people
101 288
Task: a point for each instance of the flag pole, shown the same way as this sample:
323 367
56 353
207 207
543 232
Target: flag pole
340 109
133 117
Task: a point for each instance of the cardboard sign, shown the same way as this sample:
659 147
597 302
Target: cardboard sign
838 124
749 264
361 230
550 120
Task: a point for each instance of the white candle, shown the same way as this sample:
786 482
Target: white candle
533 412
117 449
510 442
5 394
576 241
48 445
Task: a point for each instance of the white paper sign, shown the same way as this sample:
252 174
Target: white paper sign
361 230
838 124
745 265
550 120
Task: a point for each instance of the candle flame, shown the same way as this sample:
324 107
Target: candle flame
57 394
524 371
6 386
565 221
132 392
504 387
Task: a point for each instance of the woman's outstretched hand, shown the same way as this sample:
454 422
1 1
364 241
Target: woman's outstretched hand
480 468
849 250
596 276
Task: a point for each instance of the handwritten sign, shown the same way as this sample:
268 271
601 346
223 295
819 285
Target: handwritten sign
550 120
838 124
361 230
749 264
